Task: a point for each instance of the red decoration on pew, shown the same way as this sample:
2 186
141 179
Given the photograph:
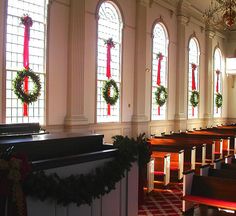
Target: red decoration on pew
13 172
194 66
217 84
110 44
27 22
160 58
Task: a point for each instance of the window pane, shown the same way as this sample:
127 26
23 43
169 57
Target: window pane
194 54
14 56
217 67
160 45
109 26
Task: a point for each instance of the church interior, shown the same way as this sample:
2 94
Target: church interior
111 107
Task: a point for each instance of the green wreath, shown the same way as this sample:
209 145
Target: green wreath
107 88
161 95
19 91
218 100
194 98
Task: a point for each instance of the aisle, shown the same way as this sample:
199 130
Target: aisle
163 202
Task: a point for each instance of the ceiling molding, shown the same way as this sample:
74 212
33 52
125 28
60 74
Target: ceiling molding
168 4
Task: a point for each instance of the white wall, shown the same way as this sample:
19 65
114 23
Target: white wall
58 64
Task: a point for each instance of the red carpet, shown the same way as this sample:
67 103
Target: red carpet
163 202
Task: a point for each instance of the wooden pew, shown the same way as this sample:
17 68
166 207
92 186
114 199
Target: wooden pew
209 191
203 146
206 170
222 142
176 161
222 164
222 134
174 148
161 169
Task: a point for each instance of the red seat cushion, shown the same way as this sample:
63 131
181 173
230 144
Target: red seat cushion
211 202
216 152
159 173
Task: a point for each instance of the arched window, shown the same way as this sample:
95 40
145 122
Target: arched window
193 76
217 70
14 57
159 68
109 27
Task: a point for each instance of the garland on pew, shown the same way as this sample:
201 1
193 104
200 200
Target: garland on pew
83 189
13 170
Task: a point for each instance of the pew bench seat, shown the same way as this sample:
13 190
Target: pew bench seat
208 190
211 202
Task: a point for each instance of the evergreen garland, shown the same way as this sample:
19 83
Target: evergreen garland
107 89
84 188
194 98
218 100
161 95
19 91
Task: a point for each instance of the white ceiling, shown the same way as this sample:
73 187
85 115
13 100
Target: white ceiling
200 5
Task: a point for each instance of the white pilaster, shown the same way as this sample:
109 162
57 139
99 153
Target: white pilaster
181 77
75 98
209 76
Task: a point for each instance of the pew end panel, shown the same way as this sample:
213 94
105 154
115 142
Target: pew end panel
187 185
162 166
150 175
204 170
193 158
203 154
181 164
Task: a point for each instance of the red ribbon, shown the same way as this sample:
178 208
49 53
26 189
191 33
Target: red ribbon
11 209
110 45
27 22
217 80
193 82
109 105
217 84
160 58
193 76
108 74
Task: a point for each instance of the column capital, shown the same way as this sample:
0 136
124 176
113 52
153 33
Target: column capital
145 3
210 33
182 19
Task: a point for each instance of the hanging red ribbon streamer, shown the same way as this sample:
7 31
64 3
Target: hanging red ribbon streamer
110 45
27 22
160 58
217 84
193 82
217 80
108 73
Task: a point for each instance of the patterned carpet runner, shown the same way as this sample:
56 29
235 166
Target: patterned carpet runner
163 202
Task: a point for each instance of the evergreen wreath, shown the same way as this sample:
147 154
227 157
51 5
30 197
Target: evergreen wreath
18 82
194 98
161 95
84 188
107 89
218 100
